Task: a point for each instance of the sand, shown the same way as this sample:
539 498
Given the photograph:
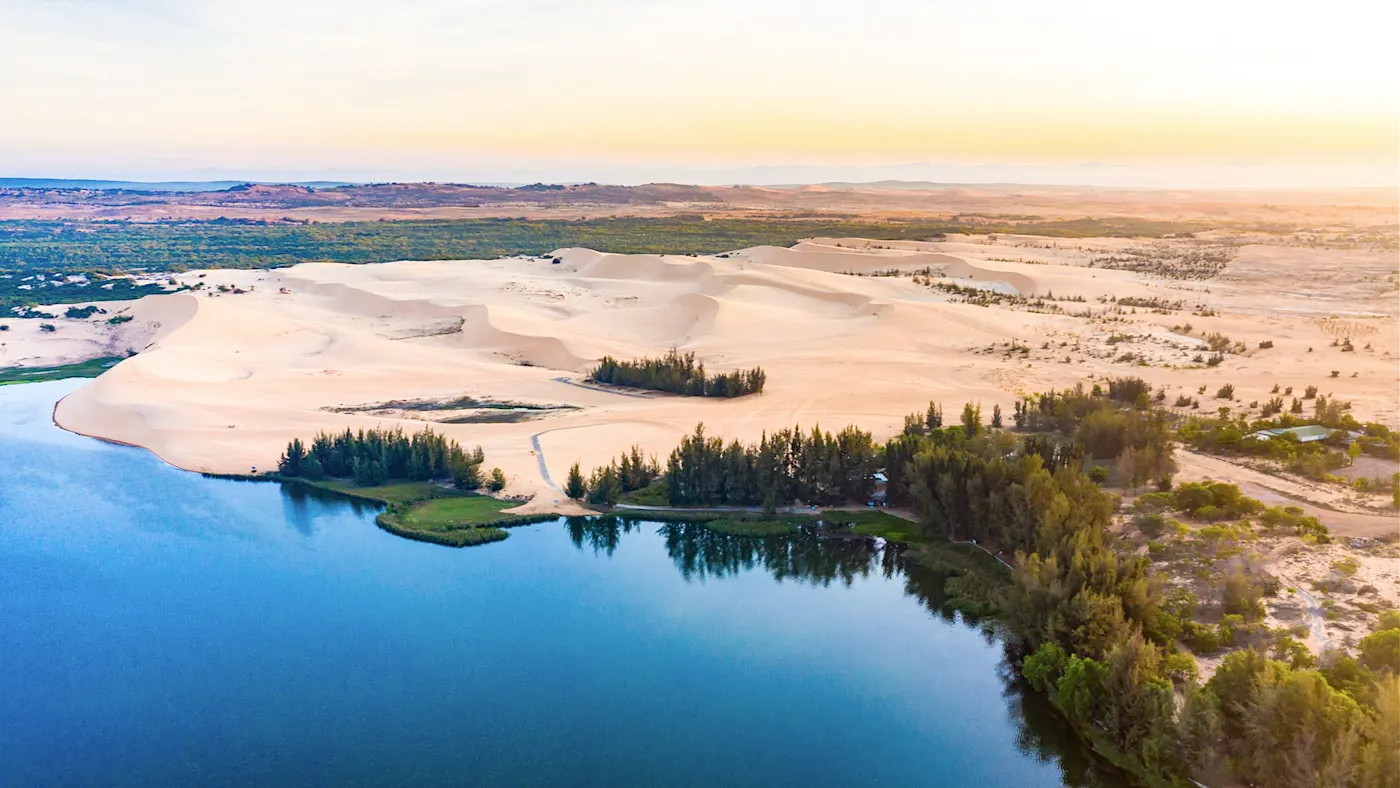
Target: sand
224 380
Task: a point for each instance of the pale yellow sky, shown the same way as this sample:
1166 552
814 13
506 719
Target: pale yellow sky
159 86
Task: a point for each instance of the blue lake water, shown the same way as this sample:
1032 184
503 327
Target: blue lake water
158 628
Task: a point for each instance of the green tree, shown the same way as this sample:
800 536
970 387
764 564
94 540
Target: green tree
971 419
1380 651
497 482
574 487
466 474
290 462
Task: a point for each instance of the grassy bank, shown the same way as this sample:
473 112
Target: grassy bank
83 369
755 527
863 522
424 511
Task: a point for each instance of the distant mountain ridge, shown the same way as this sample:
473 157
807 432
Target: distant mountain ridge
147 186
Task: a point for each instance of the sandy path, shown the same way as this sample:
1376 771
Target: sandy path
1317 621
1282 492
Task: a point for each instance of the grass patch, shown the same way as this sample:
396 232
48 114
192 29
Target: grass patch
447 513
427 512
455 521
457 537
654 495
741 527
877 523
83 369
396 492
494 417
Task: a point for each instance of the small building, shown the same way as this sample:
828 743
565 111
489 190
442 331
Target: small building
880 496
1309 434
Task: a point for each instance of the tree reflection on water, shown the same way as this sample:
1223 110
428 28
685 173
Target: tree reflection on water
821 557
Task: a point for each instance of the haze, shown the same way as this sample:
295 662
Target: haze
1190 93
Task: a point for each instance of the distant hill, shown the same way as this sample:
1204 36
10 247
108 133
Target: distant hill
141 186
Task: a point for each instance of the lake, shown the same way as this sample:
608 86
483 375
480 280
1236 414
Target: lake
158 628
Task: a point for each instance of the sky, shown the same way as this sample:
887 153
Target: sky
1191 92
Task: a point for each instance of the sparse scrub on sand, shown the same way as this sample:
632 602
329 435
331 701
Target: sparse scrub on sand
678 373
1170 260
1217 342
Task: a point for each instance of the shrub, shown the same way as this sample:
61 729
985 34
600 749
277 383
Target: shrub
1217 342
1098 474
1266 344
1347 566
1151 524
1336 372
1180 667
1381 650
497 481
1226 391
1310 392
1200 638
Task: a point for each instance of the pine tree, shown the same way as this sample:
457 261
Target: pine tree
466 475
574 486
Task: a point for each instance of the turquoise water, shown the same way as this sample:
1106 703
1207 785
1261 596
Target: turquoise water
162 629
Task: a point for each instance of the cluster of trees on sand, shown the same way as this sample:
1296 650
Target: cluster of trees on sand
678 373
1103 643
376 456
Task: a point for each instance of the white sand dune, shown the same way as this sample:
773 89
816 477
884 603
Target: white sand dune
228 379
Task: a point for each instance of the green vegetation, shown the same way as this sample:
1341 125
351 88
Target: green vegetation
678 374
408 474
741 527
441 514
49 283
371 458
1104 643
82 369
1317 460
394 493
446 411
784 467
653 494
29 245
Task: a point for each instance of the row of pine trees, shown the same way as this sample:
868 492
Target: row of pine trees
376 456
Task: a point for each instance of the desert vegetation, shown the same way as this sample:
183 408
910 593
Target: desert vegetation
678 373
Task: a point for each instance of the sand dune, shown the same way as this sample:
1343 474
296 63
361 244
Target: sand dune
224 380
